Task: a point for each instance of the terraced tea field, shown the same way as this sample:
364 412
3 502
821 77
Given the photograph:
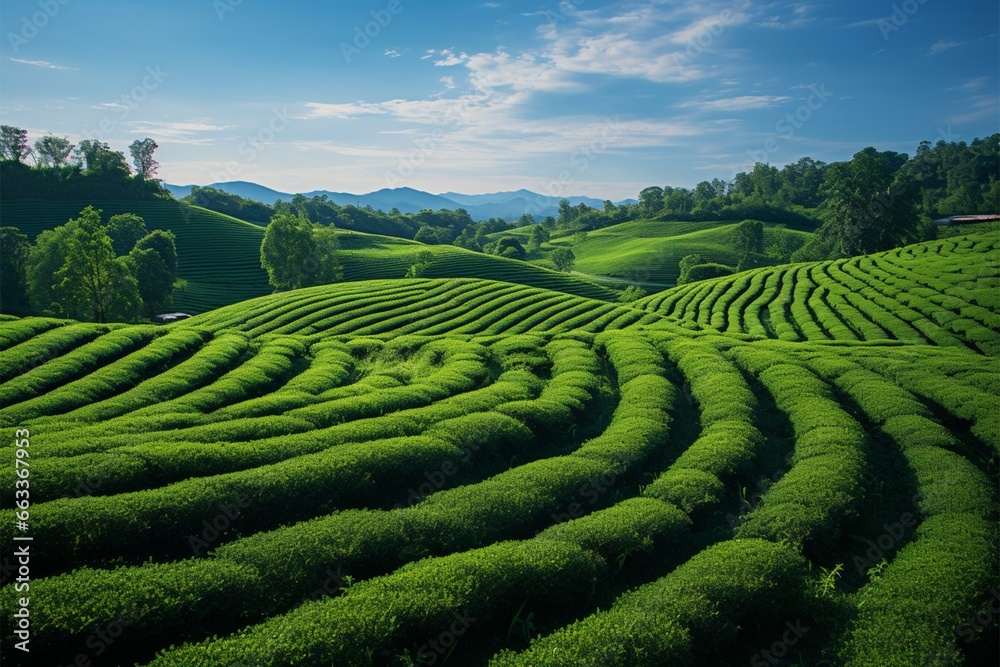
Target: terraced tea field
470 472
942 293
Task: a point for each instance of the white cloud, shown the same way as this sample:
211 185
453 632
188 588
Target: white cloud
449 58
342 111
449 82
742 103
392 53
42 63
943 45
185 132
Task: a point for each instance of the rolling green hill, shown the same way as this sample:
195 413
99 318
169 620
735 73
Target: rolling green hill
366 472
646 252
220 256
944 292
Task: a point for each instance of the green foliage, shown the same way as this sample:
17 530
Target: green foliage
125 230
631 294
564 259
14 252
297 253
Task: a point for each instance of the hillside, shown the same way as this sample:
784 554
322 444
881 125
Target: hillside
348 473
647 252
944 292
220 256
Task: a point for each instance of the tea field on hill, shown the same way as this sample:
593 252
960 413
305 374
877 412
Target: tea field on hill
791 466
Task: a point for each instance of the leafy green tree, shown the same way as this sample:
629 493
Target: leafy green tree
651 201
564 259
539 235
687 263
154 280
142 156
748 238
871 205
14 249
427 235
93 281
46 257
157 276
53 151
295 253
525 220
631 293
13 143
783 245
510 247
125 230
101 159
419 268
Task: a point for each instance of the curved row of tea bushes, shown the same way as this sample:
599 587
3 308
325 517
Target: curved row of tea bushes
15 330
77 363
49 344
825 488
122 377
682 618
728 442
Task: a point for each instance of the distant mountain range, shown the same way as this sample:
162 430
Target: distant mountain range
506 205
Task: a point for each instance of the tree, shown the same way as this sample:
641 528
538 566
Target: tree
101 159
45 258
651 201
53 151
153 279
419 268
93 280
14 248
142 157
539 235
748 242
510 248
687 263
125 230
427 235
153 260
295 253
871 205
13 143
631 293
564 259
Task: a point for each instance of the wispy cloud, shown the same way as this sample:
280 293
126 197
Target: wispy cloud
942 46
741 103
392 53
185 132
42 63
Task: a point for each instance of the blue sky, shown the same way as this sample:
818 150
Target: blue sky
565 98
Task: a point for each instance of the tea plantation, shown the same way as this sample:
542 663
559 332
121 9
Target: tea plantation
795 465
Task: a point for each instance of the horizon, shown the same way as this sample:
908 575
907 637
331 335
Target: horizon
578 98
